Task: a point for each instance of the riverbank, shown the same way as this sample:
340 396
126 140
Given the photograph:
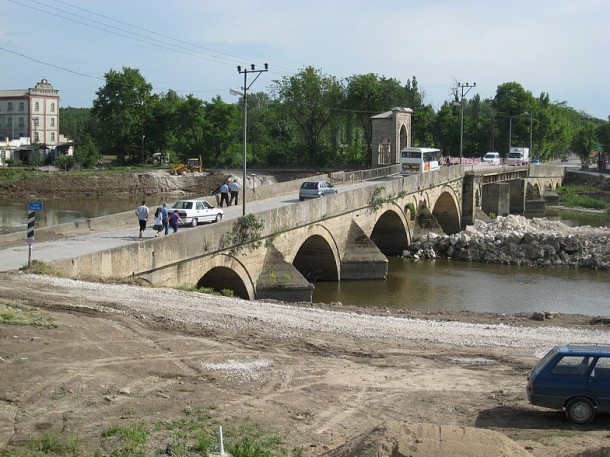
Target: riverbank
316 380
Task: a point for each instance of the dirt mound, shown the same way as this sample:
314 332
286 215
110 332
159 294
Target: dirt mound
154 182
397 439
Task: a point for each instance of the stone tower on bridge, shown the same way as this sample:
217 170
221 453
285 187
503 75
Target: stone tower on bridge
391 132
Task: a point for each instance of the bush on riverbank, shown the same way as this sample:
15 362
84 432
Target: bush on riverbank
581 196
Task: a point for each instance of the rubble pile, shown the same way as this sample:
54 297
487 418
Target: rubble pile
516 240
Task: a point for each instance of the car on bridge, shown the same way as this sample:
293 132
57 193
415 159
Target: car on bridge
491 158
573 377
315 189
192 212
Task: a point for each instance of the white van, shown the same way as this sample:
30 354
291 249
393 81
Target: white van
492 158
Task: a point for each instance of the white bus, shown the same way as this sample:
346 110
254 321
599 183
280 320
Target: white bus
418 160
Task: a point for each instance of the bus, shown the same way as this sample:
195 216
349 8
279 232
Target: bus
418 160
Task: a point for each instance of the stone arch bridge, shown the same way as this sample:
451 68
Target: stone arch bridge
278 253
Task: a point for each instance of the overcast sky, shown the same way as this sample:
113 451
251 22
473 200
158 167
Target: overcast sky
561 47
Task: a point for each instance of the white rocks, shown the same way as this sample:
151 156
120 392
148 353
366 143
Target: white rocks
522 241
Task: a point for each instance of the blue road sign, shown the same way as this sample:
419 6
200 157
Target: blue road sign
35 206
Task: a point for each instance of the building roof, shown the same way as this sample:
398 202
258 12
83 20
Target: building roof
388 114
13 93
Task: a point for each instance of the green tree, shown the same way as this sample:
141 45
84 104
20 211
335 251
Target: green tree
163 132
86 153
121 111
447 129
510 104
76 123
309 99
366 95
584 141
220 124
422 132
603 135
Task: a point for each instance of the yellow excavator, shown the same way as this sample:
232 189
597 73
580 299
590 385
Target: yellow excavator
191 165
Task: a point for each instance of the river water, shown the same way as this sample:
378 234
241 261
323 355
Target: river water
440 284
455 285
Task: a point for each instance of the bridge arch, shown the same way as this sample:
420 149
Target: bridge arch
446 212
226 272
317 258
390 233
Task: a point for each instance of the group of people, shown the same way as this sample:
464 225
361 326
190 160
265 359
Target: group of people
227 188
164 219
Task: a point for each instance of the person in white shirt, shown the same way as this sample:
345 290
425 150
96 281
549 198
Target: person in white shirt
142 213
234 189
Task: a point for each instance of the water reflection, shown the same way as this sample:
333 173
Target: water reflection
13 214
447 284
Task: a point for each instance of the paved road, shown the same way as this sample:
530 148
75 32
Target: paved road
15 257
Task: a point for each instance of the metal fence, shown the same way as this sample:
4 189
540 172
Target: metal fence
364 175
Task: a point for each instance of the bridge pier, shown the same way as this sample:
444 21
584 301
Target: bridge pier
280 280
496 198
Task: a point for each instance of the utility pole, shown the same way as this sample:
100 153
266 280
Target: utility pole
462 87
245 88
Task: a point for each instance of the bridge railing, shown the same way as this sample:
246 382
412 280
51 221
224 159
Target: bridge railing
364 175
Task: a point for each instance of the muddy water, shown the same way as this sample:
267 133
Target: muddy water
454 285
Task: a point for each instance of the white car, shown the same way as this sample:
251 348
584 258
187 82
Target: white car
192 212
492 158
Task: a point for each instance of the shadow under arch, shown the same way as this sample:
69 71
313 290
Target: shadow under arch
389 234
224 274
446 213
315 260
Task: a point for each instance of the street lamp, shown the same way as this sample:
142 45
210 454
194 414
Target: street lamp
462 87
245 88
531 130
510 128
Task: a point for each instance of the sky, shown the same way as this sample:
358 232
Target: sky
561 47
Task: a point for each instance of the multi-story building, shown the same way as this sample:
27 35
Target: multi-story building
32 113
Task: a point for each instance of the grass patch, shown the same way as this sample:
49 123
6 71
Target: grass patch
206 290
577 196
130 440
14 314
39 268
193 434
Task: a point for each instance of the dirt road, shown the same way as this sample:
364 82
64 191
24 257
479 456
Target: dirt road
316 376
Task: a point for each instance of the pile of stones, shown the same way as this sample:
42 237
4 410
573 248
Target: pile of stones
516 240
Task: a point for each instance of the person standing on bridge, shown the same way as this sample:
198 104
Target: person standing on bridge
142 213
174 220
165 218
234 189
224 194
158 222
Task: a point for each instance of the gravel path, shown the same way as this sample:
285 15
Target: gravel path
289 321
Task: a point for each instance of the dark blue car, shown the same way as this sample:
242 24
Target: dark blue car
573 377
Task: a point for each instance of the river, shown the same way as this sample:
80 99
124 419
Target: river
471 286
439 284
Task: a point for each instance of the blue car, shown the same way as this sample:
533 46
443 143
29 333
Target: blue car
572 377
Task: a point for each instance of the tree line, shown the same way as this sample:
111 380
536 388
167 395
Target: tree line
316 120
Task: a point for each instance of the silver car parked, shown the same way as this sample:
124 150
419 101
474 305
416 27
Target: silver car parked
314 189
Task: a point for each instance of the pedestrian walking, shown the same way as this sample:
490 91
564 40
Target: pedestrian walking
165 218
142 213
174 220
158 222
224 194
234 189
